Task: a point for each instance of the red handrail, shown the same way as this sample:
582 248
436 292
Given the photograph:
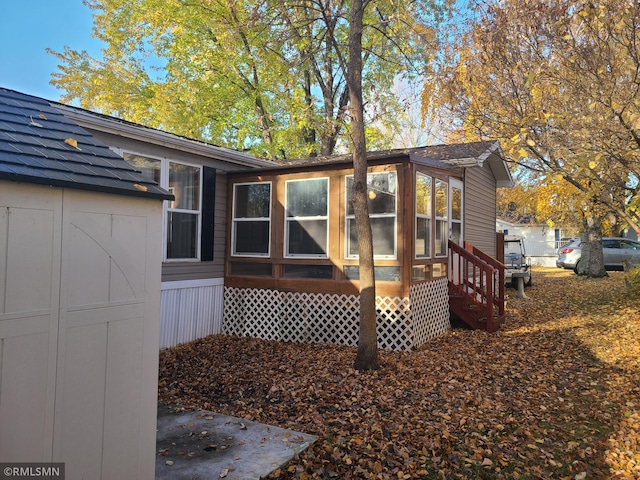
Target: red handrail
479 278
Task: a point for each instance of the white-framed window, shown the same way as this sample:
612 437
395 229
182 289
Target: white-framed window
424 215
182 216
306 218
441 217
382 203
251 229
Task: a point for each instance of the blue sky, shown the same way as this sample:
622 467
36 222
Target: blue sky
27 28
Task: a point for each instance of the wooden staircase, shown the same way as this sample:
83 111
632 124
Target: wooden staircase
476 287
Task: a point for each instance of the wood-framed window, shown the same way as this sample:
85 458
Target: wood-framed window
183 216
441 217
382 203
424 215
251 224
306 218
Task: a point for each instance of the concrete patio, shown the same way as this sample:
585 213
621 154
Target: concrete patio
205 445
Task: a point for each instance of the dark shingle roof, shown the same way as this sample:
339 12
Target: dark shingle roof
38 144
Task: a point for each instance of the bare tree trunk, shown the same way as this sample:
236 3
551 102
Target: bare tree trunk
367 357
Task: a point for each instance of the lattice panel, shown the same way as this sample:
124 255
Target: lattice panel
402 323
314 317
252 312
430 310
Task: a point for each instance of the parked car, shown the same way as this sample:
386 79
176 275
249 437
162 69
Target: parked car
516 261
615 251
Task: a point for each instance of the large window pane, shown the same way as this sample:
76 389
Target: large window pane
251 219
381 193
184 183
441 199
252 200
423 194
381 201
423 237
424 214
307 237
442 227
182 230
456 203
251 238
307 198
306 217
384 236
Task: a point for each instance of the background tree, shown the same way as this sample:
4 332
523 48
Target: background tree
558 83
262 75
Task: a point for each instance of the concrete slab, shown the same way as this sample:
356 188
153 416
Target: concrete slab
205 445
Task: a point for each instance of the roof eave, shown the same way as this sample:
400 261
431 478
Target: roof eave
114 126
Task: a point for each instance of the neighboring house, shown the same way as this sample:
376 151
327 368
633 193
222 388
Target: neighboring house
79 298
194 224
292 261
541 242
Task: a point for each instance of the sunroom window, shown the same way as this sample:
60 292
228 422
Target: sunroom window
381 192
442 221
251 219
423 215
306 217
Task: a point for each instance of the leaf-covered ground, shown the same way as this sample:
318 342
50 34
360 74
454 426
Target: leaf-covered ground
554 394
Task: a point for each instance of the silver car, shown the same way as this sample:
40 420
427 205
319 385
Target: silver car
615 251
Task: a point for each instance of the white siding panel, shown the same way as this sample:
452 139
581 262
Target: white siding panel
190 310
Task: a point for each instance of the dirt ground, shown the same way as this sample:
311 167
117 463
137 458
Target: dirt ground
554 394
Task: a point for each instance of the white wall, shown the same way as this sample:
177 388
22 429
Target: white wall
539 241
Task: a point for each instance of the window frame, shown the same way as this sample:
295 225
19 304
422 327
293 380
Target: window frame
288 219
164 183
429 217
167 208
437 218
347 217
261 219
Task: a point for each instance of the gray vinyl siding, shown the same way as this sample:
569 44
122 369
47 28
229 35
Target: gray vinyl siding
480 208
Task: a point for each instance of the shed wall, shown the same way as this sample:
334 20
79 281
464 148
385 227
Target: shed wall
79 326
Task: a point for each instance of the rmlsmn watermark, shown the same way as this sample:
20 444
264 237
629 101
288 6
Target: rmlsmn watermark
23 471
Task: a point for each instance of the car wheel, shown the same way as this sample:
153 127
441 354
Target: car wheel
530 281
575 269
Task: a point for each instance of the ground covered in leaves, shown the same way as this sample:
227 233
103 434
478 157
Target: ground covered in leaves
554 394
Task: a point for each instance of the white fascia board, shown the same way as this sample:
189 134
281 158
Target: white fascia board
114 126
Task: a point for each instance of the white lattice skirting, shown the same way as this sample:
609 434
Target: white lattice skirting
403 323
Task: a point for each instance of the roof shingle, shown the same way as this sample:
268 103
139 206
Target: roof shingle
33 150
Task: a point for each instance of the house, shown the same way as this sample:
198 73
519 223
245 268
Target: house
541 242
79 297
194 227
292 258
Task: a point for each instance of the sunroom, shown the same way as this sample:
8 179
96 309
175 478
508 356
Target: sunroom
291 270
